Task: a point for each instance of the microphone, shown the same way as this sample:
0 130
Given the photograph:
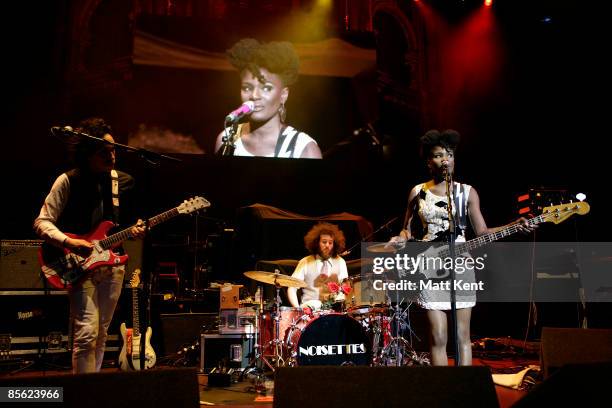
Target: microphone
56 130
244 109
448 174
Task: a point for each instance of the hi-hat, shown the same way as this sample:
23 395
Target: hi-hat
275 279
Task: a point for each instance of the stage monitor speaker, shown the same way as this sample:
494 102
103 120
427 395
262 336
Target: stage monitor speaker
561 346
19 267
384 387
180 329
173 387
574 385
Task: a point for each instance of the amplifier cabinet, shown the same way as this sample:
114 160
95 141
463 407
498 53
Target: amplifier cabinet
34 313
229 350
19 267
237 321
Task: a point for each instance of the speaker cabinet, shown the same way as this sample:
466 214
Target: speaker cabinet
34 313
20 269
574 385
231 350
150 388
180 329
324 387
561 346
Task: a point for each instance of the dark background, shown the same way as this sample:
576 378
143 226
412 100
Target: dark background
541 123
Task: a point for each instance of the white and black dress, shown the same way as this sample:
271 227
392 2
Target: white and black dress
432 212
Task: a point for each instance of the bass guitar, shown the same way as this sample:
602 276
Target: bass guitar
63 268
555 214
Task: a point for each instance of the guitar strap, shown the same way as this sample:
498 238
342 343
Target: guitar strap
115 195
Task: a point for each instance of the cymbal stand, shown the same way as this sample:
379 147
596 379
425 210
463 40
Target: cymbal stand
277 342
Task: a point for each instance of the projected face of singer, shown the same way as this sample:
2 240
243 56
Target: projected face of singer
267 96
438 158
103 159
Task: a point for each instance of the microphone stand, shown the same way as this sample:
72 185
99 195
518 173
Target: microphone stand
151 160
148 155
228 147
451 247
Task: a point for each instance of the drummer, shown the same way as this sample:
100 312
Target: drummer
324 241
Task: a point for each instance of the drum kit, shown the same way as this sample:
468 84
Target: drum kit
366 332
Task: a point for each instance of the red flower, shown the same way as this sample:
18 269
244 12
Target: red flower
333 287
307 310
346 288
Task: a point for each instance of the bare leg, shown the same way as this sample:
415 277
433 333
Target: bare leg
438 336
463 335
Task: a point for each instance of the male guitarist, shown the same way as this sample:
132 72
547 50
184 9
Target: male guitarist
78 201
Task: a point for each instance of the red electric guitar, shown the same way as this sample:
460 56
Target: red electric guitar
63 268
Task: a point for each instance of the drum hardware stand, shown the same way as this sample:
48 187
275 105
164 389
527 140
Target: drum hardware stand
403 348
398 344
277 357
278 280
255 370
278 343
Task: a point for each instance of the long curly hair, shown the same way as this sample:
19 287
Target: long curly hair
448 139
278 57
311 240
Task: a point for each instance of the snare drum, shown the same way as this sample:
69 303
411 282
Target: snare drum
288 315
329 339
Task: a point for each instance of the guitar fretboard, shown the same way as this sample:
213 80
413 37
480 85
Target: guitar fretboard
135 312
482 240
122 235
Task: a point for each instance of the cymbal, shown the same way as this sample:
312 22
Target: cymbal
275 279
383 248
280 262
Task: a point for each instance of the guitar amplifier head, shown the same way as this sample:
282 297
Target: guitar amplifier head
19 267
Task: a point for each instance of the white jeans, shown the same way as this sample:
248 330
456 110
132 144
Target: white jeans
92 305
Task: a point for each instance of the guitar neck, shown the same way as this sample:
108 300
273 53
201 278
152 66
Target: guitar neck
492 237
135 313
125 234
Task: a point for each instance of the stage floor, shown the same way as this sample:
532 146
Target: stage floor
243 394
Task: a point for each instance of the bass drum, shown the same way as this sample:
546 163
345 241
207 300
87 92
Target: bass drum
329 339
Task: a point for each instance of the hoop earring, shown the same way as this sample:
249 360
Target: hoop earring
282 111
